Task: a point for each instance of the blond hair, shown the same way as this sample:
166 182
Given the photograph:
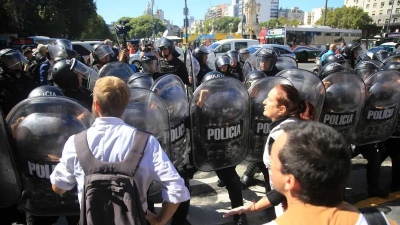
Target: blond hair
112 94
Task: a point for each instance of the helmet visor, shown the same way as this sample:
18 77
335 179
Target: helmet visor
265 64
103 51
85 72
57 52
244 56
13 59
150 66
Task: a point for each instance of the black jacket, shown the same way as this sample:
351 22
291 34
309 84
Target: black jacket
175 66
273 72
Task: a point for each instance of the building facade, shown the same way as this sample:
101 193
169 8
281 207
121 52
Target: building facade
310 18
380 11
268 10
293 13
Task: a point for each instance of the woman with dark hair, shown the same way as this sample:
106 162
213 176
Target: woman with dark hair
282 105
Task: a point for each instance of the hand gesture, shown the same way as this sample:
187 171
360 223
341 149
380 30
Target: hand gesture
239 210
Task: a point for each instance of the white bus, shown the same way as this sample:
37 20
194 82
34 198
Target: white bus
312 36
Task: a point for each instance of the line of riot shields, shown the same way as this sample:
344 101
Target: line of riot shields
221 122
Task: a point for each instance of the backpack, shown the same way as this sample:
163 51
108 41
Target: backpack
110 195
374 216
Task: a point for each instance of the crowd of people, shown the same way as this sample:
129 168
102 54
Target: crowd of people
306 164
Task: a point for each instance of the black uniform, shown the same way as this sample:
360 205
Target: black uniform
272 72
175 66
204 69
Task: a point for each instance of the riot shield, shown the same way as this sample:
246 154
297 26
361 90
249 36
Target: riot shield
172 90
195 71
116 69
259 124
140 80
393 58
249 65
181 53
40 127
309 85
211 61
345 97
219 112
88 74
286 62
9 178
189 67
147 111
379 115
378 63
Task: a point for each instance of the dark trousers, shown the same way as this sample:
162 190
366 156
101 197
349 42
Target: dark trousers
49 220
373 156
392 150
228 176
251 170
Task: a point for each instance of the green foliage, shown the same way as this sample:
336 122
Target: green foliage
222 24
96 28
142 26
282 21
347 18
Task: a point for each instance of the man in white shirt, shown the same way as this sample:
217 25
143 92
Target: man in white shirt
110 139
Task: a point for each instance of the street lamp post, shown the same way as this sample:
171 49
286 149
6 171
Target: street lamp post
186 12
242 19
326 11
390 17
152 19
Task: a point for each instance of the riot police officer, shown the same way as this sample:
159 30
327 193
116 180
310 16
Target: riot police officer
236 70
201 54
223 65
169 61
66 75
266 61
331 68
365 68
244 54
351 52
252 77
101 54
15 86
380 55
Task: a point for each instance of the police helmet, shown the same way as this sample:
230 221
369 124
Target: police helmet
380 55
365 68
338 58
102 50
331 68
350 48
392 66
268 57
63 75
253 76
45 90
244 54
327 46
64 42
234 56
12 60
363 57
199 52
212 75
166 43
140 80
149 63
222 60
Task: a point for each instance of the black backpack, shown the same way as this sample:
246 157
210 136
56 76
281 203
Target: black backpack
110 195
374 216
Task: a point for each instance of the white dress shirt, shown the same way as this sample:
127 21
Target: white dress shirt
110 139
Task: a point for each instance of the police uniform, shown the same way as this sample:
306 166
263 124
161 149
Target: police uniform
175 66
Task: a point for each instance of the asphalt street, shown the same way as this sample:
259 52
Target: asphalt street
209 201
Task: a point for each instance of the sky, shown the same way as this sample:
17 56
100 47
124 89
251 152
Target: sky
112 10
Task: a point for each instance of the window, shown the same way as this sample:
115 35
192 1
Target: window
373 13
394 20
380 12
346 34
240 45
225 47
374 6
389 11
382 4
397 10
353 35
81 50
386 21
337 34
379 21
390 2
367 6
328 34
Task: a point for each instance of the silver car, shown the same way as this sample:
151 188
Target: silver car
282 50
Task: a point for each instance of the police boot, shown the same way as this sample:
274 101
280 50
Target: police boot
247 178
220 183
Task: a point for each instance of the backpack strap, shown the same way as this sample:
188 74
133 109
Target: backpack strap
374 216
127 167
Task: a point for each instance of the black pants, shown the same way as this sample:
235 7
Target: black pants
251 170
373 156
227 175
49 220
392 149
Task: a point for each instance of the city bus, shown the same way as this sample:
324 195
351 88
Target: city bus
311 36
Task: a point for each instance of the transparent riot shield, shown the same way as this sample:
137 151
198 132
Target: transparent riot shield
140 80
195 71
219 114
181 53
380 112
259 124
345 97
393 58
116 69
88 74
9 178
249 65
286 62
378 63
147 111
40 127
309 85
211 60
189 67
172 90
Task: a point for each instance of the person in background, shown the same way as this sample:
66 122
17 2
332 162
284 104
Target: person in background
114 57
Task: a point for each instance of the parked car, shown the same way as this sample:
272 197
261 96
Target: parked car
391 48
282 50
221 47
306 53
84 48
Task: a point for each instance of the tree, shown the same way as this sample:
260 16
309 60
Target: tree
347 18
225 24
96 28
281 21
142 26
